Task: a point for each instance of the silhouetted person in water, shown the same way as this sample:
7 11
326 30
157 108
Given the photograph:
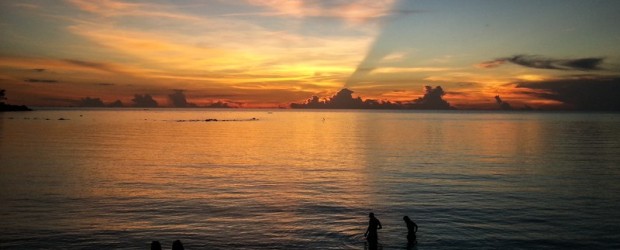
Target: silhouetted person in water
412 228
155 245
371 233
176 245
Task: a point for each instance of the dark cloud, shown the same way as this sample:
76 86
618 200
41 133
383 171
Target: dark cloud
95 102
581 93
502 104
432 99
584 63
32 80
86 64
178 99
341 100
90 102
144 101
92 65
538 62
105 84
344 99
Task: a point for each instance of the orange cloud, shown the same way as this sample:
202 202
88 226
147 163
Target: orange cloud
226 58
351 11
104 5
110 8
213 50
68 65
388 70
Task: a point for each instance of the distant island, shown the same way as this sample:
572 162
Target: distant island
177 100
8 107
432 100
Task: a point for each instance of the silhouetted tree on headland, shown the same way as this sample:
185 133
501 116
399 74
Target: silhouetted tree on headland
9 107
432 99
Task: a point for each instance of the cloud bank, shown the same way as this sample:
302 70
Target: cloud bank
581 93
432 99
32 80
144 101
96 102
539 62
91 102
178 99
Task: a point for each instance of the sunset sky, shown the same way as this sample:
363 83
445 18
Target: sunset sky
269 53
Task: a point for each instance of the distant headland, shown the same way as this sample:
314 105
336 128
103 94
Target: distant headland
8 107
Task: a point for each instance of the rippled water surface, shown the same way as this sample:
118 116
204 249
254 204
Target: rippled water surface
307 179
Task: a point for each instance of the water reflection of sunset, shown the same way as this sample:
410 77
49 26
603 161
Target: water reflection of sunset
299 178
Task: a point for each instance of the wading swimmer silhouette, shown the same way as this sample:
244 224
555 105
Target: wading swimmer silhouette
412 228
371 234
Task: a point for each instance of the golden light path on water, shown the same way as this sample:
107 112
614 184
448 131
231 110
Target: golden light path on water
307 179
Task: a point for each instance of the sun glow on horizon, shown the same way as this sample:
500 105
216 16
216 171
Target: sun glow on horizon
256 52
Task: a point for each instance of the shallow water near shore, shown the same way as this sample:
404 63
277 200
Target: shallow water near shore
289 179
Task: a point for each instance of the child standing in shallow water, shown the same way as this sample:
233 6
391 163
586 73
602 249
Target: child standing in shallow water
412 228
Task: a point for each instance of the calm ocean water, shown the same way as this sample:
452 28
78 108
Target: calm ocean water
307 179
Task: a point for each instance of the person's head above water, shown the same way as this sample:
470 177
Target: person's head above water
155 245
406 218
371 215
177 245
